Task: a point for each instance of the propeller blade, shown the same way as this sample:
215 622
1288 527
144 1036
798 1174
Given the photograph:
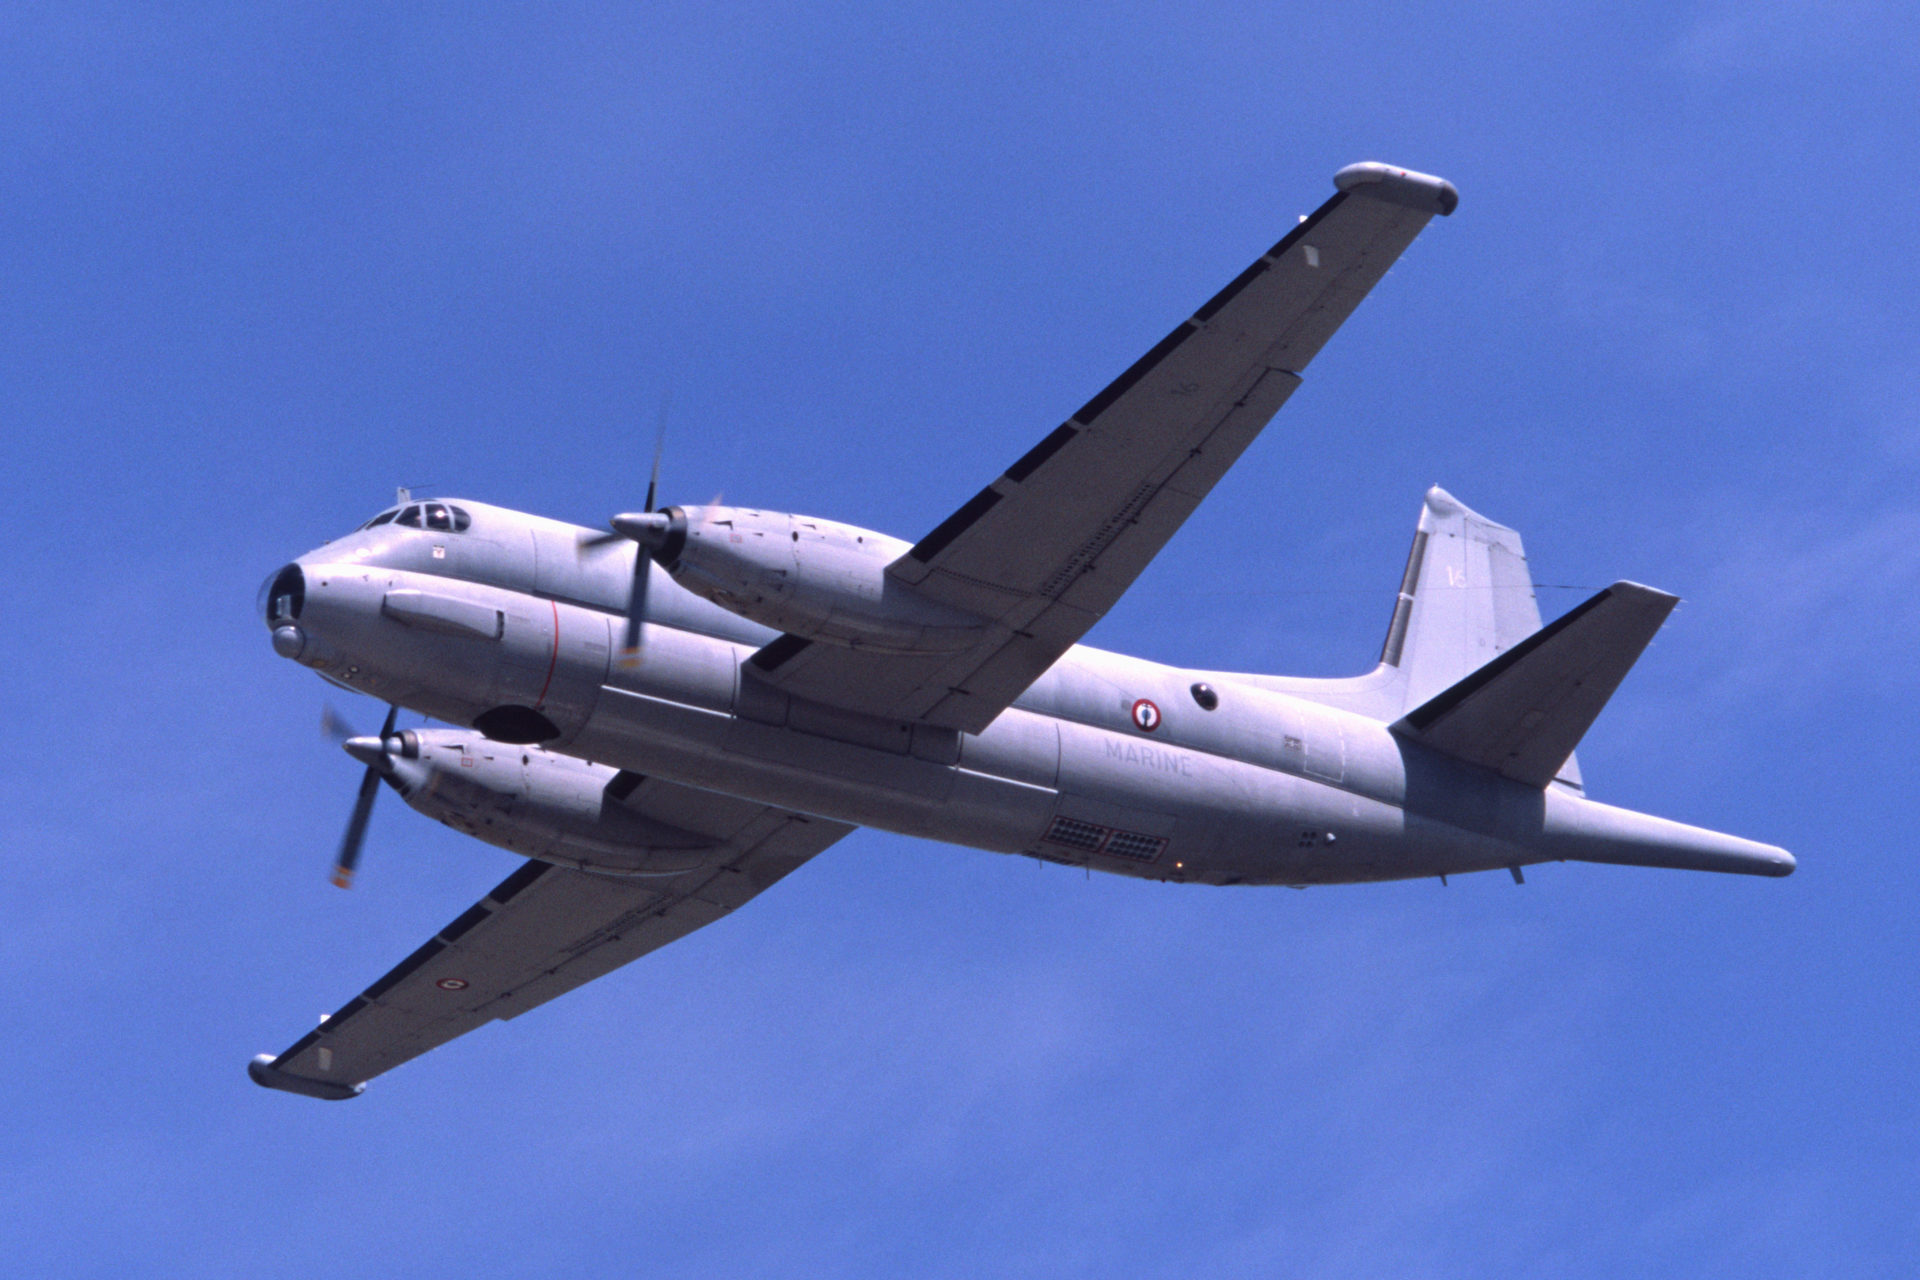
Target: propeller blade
642 559
333 725
659 449
349 856
636 606
594 541
648 530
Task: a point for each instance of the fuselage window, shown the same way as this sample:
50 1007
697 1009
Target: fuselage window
437 517
461 520
410 517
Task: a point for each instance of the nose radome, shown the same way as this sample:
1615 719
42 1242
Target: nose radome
282 596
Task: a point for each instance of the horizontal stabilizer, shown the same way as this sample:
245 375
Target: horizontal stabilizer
1523 713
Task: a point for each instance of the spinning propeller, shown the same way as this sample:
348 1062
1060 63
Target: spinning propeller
377 754
651 530
642 560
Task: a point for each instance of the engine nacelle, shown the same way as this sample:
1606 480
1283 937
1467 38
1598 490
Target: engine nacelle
539 805
815 578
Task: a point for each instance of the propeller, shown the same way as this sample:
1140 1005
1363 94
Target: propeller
373 752
648 529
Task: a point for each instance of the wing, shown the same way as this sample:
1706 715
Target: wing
540 933
1045 550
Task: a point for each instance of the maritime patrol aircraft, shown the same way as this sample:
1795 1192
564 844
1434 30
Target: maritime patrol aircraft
667 716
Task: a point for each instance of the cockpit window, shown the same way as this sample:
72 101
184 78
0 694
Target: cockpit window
440 516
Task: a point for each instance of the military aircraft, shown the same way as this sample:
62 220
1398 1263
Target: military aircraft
666 717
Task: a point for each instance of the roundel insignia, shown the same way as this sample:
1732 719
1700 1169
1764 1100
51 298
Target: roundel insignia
452 984
1146 716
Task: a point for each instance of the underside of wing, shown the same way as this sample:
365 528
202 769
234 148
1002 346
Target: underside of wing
543 931
1046 549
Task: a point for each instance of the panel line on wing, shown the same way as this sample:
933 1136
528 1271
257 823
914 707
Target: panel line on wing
1100 541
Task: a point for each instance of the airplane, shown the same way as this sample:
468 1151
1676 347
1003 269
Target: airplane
667 716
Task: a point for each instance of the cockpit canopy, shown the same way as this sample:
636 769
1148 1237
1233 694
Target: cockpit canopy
439 516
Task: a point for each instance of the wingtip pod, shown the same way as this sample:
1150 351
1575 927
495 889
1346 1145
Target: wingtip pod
1420 191
268 1076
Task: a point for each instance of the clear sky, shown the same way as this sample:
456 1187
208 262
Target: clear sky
259 265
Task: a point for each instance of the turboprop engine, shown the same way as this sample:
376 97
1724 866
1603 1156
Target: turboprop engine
532 802
814 578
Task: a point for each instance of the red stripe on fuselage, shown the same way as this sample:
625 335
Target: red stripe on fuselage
552 661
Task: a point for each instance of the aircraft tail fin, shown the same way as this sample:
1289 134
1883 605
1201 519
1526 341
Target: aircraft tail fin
1466 601
1467 597
1522 713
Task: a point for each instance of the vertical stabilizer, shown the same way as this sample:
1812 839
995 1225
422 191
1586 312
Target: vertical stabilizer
1467 597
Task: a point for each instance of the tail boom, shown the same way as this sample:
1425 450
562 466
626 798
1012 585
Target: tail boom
1580 830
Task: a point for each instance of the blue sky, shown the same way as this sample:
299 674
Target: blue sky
261 267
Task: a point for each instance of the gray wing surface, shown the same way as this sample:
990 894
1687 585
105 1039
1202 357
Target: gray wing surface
1047 548
540 933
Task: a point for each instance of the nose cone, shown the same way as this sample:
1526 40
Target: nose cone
366 750
649 529
283 596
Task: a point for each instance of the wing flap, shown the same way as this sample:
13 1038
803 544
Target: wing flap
1522 714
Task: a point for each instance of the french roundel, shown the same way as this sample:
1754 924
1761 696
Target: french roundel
1146 716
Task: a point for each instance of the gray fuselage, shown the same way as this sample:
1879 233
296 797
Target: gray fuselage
1107 761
